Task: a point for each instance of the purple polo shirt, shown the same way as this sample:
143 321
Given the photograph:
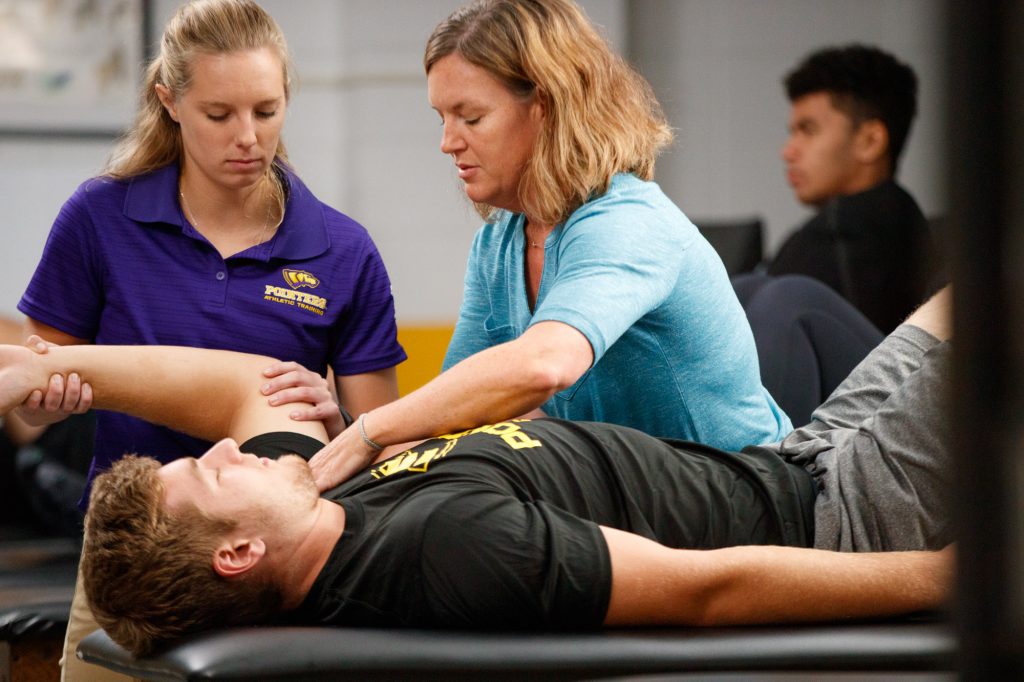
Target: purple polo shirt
123 266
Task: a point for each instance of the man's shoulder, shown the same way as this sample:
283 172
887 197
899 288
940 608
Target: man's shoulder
885 214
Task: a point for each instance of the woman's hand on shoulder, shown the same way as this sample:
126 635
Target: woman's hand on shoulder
342 458
62 398
290 382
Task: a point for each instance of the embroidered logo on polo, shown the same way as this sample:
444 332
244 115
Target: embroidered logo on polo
297 279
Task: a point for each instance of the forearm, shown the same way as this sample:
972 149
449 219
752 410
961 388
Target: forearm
360 393
752 585
19 431
656 585
935 316
498 383
207 393
489 386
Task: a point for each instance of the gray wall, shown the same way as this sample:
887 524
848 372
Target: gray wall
363 137
717 67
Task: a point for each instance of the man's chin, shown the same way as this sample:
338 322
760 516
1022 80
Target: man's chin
300 473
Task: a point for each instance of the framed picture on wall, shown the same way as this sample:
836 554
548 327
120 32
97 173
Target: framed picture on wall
70 66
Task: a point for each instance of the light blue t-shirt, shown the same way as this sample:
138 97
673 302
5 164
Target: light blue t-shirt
673 352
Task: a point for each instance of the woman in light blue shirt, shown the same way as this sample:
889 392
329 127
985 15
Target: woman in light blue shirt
588 293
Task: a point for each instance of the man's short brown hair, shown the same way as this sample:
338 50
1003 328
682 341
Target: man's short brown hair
148 573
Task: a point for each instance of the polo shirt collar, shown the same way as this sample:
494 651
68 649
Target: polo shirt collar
303 234
153 198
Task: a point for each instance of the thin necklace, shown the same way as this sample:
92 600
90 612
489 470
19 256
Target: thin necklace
529 240
190 214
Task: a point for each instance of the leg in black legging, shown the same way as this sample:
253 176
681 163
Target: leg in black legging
808 340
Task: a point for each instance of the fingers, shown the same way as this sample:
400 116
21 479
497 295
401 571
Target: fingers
291 375
85 403
70 396
54 397
318 412
326 412
290 382
302 394
77 397
334 424
33 401
322 464
43 408
281 368
61 398
37 344
332 465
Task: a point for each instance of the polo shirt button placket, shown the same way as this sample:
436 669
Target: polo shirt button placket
221 276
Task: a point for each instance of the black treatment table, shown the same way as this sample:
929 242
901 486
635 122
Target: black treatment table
37 581
898 648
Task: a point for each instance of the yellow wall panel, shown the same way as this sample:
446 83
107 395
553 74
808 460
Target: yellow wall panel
425 346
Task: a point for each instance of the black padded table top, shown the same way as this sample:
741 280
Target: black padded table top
34 572
35 618
306 653
22 556
37 582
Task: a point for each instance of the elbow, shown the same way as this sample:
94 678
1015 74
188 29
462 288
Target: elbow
545 377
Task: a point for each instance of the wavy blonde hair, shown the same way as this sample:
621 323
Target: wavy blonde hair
601 116
200 27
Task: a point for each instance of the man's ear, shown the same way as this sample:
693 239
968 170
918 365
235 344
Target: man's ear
872 141
167 99
237 556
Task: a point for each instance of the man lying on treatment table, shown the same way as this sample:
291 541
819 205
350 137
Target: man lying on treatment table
522 524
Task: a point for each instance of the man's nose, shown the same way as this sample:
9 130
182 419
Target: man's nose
788 151
223 452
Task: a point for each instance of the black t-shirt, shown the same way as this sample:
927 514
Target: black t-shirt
874 248
498 527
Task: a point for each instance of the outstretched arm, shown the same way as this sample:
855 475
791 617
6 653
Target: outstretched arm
656 585
210 394
498 383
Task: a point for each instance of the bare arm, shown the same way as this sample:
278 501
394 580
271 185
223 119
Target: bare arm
63 395
655 585
935 315
498 383
18 430
207 393
51 334
359 393
317 398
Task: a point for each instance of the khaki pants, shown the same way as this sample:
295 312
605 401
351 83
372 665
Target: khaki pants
80 624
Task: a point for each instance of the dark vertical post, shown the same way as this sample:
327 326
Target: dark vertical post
149 31
986 247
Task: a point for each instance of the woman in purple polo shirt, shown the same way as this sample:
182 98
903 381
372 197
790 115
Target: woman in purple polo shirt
199 234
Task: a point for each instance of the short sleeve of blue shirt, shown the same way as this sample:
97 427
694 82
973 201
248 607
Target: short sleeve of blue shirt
617 260
673 352
475 329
